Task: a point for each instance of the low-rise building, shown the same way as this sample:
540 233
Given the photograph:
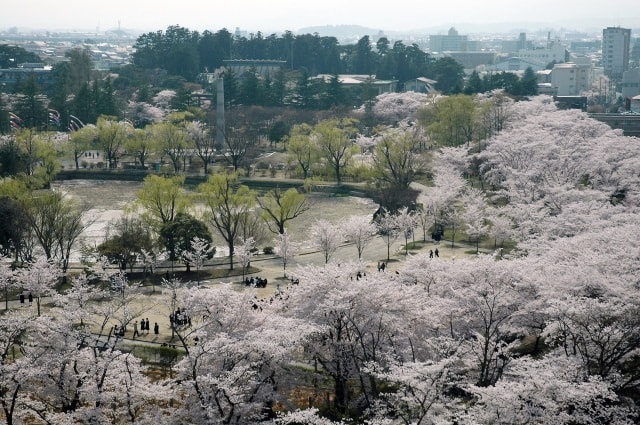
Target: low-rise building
631 83
471 60
635 104
571 79
10 77
518 64
554 52
262 67
352 80
420 85
452 42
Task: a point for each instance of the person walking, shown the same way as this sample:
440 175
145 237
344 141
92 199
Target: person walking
436 252
135 329
156 328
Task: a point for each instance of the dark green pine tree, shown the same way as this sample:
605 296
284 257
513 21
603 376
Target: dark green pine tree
279 88
335 95
529 83
107 103
5 126
30 106
474 84
83 107
230 88
249 87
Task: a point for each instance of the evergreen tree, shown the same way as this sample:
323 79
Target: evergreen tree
529 83
278 90
4 118
474 84
107 103
449 75
30 105
335 93
83 105
249 87
363 61
230 88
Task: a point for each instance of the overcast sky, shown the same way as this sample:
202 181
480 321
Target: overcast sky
271 16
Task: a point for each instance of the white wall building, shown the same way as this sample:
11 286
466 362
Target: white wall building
553 52
572 78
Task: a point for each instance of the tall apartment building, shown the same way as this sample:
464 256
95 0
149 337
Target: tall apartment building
616 43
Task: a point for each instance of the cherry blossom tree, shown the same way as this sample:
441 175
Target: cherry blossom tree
230 375
14 368
406 222
550 390
420 394
39 279
360 321
285 247
244 252
394 107
203 141
474 215
201 250
438 201
501 227
144 113
327 237
388 229
360 231
6 277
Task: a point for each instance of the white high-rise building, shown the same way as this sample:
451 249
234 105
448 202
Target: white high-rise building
616 44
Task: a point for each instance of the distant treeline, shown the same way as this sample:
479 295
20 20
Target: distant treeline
187 53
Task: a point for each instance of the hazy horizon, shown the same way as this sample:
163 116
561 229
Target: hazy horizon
291 15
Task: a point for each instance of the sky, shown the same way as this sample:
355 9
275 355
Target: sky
275 16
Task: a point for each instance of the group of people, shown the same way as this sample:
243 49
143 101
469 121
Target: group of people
256 282
179 319
22 298
144 329
432 253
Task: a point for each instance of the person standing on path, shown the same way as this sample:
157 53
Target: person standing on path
135 329
156 328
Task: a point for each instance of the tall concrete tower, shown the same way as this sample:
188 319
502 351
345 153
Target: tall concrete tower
220 111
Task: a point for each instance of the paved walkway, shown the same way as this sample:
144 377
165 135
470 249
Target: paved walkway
269 267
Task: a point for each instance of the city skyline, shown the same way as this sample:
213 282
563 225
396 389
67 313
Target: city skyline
277 16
